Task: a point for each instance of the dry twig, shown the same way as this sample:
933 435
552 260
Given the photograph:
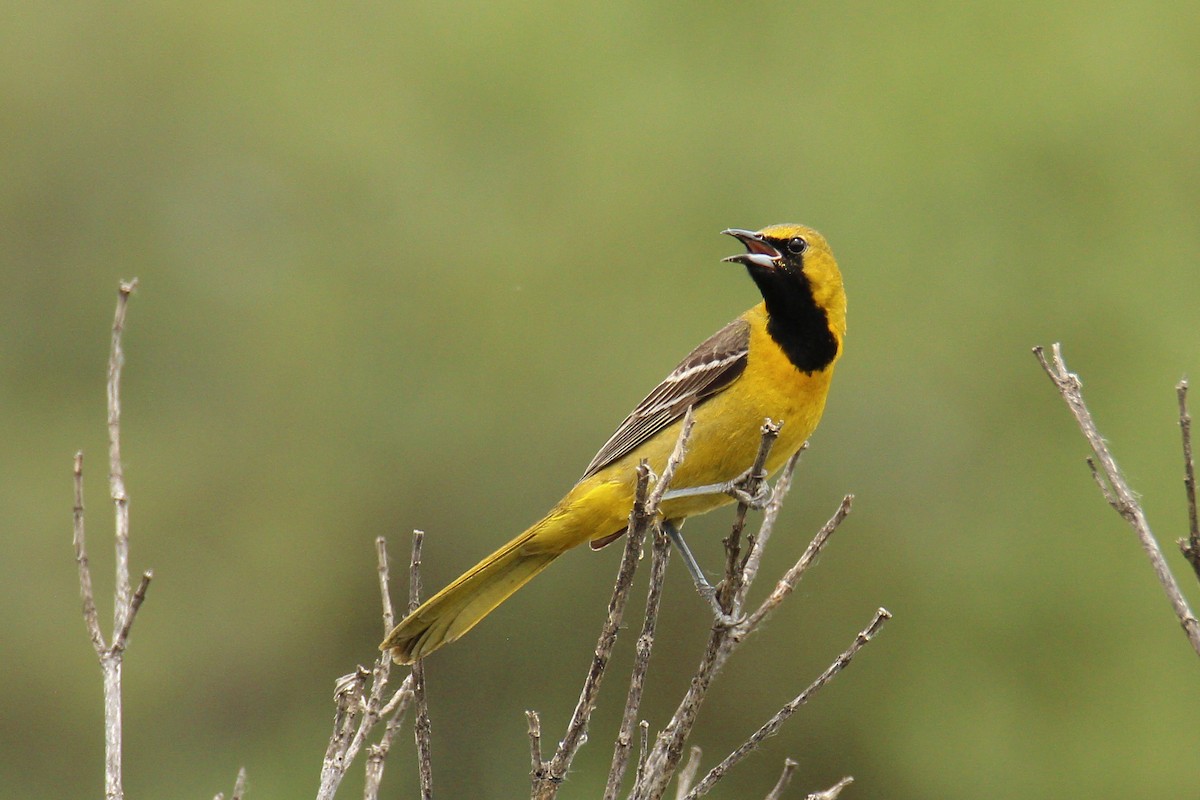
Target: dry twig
1116 491
683 784
641 664
359 700
641 517
785 778
125 602
422 731
772 725
1191 545
239 787
833 791
724 639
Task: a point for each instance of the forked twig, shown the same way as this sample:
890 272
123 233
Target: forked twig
359 700
642 516
723 640
125 602
641 664
773 724
1116 491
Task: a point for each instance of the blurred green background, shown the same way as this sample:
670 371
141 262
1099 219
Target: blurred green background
407 265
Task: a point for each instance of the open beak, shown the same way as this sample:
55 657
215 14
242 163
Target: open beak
758 251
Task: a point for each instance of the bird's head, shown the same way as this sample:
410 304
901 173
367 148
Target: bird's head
789 260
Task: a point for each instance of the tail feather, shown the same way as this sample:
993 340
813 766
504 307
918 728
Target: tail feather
460 606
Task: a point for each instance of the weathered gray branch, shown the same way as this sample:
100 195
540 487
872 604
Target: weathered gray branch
1114 487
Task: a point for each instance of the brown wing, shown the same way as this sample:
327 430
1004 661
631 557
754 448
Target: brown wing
707 370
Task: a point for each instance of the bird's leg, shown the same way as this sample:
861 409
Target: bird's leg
706 589
738 489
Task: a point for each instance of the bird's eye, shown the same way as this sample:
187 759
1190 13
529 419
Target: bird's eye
796 245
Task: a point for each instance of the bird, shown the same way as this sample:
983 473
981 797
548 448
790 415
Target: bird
774 361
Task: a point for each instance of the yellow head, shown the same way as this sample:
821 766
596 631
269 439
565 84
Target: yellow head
802 288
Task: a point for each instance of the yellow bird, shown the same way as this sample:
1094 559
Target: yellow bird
776 360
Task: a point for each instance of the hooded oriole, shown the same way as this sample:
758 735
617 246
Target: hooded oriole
776 360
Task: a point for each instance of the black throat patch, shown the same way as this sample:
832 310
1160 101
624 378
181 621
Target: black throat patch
794 320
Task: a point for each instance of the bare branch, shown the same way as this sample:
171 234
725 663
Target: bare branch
239 787
385 593
1122 498
359 706
90 617
756 477
833 791
377 753
688 774
641 517
1102 483
723 640
772 725
785 777
673 462
643 747
1191 545
537 767
423 728
783 485
116 474
135 602
641 664
792 577
125 604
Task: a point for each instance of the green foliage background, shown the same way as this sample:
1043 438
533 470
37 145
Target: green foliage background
406 265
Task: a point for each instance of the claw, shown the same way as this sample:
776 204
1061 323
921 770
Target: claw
720 618
761 496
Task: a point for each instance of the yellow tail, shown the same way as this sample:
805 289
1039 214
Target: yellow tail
460 606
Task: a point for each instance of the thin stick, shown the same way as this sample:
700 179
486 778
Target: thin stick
395 708
785 777
645 510
377 753
422 730
683 783
772 725
754 557
792 577
723 640
125 602
90 617
1122 498
641 664
1191 545
239 787
833 791
644 747
359 706
135 602
639 520
116 474
734 572
537 767
385 593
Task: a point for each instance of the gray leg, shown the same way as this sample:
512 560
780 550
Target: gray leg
706 589
735 488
